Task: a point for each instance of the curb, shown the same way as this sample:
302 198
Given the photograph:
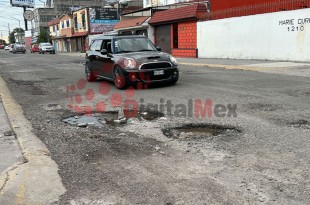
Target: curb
39 168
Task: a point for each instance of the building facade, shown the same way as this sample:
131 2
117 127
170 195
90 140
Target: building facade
176 29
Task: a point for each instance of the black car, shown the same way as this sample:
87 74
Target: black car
129 60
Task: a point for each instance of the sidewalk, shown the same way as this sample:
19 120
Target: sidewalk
275 67
28 175
10 151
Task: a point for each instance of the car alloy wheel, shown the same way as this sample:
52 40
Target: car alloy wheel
119 78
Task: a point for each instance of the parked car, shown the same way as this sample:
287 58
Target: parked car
6 48
2 46
11 46
46 47
34 48
128 60
17 48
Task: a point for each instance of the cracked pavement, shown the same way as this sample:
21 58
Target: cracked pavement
267 163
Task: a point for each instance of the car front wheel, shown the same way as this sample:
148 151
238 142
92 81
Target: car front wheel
119 78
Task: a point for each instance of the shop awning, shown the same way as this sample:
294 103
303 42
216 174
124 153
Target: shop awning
78 34
178 14
134 22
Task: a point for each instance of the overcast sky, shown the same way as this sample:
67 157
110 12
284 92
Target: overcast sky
7 11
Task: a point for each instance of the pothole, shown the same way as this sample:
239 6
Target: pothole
303 124
190 131
112 118
264 107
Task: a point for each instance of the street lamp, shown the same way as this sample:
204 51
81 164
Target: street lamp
16 20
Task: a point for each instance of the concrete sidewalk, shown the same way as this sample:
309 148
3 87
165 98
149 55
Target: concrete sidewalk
10 152
275 67
28 175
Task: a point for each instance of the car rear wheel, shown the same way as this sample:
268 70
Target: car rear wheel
89 73
119 78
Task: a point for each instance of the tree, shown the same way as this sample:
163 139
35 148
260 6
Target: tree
43 36
2 42
12 34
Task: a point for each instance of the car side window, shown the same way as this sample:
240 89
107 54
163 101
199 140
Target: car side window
96 45
107 44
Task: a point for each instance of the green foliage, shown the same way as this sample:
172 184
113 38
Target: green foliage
44 36
2 42
12 34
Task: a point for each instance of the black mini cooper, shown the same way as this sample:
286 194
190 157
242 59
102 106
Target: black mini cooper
129 60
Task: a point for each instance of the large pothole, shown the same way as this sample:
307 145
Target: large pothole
112 118
303 124
190 131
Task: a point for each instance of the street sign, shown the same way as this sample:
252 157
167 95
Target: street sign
23 3
29 15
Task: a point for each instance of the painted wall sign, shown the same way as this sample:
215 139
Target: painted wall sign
295 24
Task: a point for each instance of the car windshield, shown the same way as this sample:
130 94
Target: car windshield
126 45
46 44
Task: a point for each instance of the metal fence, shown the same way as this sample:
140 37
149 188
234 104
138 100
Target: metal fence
269 7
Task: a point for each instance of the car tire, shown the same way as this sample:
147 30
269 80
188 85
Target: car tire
119 78
174 80
89 73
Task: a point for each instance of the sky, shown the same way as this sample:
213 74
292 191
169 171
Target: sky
7 11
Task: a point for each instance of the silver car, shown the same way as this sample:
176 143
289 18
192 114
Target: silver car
46 48
17 48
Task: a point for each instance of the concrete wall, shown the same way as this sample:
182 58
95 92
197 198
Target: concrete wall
275 36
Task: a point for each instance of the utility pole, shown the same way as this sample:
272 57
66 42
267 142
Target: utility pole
26 23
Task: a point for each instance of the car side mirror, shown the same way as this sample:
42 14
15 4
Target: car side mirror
158 48
104 52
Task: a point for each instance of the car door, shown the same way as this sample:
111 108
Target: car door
106 61
94 56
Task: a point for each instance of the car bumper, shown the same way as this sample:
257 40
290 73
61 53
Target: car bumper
149 76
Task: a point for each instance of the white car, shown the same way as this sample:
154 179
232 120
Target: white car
11 46
46 48
6 48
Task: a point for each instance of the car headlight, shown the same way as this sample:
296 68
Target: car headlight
173 60
130 63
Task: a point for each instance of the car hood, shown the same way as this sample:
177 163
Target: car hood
146 56
47 46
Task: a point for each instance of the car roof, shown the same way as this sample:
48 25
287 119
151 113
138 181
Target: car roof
117 37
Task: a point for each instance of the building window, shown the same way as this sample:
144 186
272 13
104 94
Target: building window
68 23
62 24
75 22
83 21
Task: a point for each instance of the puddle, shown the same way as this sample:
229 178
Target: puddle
112 118
303 124
190 131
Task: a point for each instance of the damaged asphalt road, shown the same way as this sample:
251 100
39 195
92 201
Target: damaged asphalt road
261 156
